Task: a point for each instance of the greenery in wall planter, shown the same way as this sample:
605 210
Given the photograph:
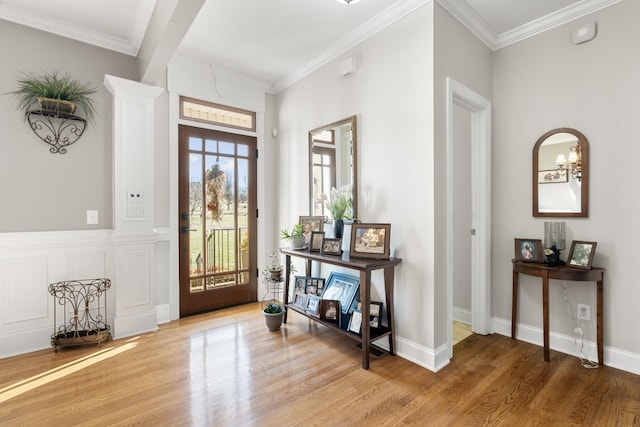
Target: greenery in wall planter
55 92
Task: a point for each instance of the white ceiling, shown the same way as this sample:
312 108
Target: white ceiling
276 41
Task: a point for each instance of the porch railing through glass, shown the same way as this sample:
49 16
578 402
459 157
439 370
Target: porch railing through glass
224 260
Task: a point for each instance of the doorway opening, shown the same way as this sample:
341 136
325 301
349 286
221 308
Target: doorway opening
473 231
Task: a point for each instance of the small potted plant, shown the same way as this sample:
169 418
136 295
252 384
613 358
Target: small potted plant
340 204
295 236
55 94
273 269
273 314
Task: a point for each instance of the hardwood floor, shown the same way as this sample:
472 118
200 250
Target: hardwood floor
461 331
226 369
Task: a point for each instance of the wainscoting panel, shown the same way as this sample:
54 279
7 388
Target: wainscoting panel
24 289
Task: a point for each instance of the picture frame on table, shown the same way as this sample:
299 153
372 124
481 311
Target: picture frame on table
375 314
355 324
341 287
315 245
309 285
370 241
313 305
528 250
330 311
300 300
581 254
331 246
309 225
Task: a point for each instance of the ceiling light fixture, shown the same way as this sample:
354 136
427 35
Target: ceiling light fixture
348 1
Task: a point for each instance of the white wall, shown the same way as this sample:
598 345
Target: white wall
543 83
391 95
460 55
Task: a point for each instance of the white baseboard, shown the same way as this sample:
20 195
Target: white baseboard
462 315
126 326
433 360
163 313
616 358
25 342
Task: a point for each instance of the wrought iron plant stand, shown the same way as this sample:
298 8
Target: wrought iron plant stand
82 306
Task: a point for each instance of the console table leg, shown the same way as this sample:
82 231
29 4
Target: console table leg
599 327
514 305
545 314
388 291
365 291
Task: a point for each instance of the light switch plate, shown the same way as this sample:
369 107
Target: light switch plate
92 217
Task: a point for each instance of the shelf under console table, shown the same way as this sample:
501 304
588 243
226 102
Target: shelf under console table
364 267
560 273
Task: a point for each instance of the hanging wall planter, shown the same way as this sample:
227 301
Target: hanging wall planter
49 102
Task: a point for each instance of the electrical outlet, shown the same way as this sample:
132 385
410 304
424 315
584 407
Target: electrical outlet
584 312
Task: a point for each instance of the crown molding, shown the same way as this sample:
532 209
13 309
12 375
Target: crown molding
385 18
475 24
77 32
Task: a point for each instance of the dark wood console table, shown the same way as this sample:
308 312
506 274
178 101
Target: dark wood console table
364 267
559 273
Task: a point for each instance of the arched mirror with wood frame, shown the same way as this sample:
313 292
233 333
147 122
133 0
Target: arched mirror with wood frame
332 163
561 174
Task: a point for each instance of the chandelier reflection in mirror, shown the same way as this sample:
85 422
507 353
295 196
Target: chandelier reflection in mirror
574 166
348 1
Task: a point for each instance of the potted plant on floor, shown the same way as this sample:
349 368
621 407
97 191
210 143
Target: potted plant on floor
55 94
273 314
295 236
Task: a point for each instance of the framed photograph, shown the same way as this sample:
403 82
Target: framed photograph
300 284
375 313
370 241
581 254
552 176
331 246
309 225
316 241
313 305
529 250
343 288
356 322
330 310
300 300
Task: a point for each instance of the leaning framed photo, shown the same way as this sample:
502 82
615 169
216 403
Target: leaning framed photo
581 254
370 241
300 300
375 314
330 311
309 225
313 305
331 246
355 324
315 245
529 250
341 287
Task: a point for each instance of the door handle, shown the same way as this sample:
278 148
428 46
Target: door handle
184 229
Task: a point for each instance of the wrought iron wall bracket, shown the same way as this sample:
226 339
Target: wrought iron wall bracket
56 128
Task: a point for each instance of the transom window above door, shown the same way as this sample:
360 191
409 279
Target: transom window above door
208 112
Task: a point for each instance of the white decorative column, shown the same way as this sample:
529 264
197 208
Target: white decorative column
133 188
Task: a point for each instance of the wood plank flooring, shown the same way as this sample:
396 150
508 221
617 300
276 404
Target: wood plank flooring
226 369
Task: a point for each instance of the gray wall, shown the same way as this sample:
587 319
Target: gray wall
43 191
543 83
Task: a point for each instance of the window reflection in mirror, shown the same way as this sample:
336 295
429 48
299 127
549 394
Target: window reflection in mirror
332 162
560 181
